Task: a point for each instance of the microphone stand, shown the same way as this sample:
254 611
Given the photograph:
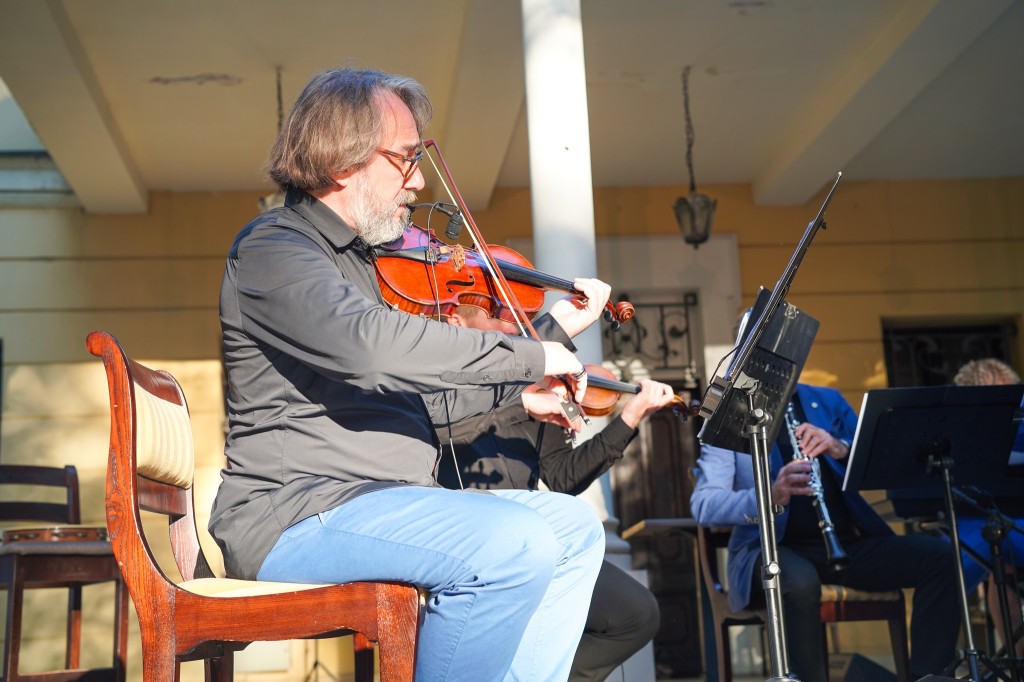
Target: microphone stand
995 531
940 464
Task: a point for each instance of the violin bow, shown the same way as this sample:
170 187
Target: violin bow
504 290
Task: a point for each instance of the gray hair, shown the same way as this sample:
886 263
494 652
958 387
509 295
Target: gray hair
985 372
337 124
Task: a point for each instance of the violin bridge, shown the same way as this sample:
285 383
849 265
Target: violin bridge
458 257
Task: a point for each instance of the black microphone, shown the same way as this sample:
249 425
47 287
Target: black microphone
455 220
454 227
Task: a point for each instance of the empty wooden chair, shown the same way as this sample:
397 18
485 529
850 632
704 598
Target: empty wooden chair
838 604
67 556
204 617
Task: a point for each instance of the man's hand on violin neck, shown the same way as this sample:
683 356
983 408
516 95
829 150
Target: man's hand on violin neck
653 396
576 314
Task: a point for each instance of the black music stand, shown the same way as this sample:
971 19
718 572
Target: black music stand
743 411
924 437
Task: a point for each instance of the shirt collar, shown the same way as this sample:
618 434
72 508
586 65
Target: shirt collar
321 217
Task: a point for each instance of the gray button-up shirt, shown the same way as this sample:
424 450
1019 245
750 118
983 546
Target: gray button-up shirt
332 393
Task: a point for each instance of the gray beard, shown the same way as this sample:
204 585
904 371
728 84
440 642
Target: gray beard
375 223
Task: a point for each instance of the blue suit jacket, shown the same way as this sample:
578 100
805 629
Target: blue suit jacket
724 494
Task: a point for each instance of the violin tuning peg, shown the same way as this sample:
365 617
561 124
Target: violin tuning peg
607 315
615 325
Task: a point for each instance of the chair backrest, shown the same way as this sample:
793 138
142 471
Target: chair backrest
709 542
14 509
151 463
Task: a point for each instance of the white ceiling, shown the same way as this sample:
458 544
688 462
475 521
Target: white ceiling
130 96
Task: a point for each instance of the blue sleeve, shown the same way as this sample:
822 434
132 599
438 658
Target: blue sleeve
715 501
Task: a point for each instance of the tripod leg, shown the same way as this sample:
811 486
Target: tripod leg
314 671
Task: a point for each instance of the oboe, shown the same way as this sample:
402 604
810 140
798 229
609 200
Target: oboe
834 554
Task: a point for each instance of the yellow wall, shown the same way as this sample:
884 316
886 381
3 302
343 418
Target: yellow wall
951 249
892 249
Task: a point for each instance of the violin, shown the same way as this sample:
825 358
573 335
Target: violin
420 274
603 391
486 284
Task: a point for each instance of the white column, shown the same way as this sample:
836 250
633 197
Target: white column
561 186
562 197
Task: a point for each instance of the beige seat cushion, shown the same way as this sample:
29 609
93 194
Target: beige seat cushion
230 587
842 593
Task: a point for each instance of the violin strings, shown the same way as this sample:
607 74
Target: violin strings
433 272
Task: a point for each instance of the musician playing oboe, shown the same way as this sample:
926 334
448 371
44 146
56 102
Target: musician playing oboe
878 559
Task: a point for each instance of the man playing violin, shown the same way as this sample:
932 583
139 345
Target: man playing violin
514 447
333 397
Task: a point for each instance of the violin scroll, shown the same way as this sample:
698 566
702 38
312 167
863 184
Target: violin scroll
622 311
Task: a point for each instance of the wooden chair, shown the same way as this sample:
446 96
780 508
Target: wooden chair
838 604
67 556
204 617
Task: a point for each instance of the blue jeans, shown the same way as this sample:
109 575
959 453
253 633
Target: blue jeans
510 574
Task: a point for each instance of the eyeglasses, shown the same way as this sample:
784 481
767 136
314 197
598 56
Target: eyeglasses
413 160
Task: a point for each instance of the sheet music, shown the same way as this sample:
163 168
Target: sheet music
856 437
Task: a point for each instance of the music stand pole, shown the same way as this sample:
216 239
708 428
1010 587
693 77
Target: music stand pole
772 351
970 652
771 572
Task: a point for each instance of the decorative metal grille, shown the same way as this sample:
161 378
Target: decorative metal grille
660 337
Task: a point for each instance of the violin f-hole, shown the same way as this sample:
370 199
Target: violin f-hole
459 283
